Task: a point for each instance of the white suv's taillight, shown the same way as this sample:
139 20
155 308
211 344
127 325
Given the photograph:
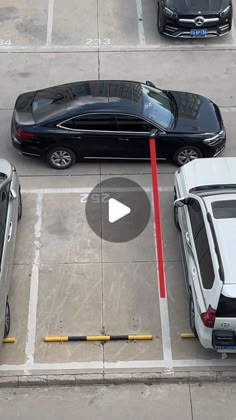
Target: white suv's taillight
208 318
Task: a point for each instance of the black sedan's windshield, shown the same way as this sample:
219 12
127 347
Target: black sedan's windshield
158 107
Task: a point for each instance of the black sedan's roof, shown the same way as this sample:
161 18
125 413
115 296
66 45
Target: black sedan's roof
75 98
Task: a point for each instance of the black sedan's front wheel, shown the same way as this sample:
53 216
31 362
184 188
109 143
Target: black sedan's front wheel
186 154
61 157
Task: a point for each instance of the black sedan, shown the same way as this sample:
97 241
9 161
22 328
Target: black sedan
112 119
194 18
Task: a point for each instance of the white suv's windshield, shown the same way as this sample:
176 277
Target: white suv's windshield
157 106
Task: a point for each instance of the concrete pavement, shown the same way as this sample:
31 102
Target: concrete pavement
164 402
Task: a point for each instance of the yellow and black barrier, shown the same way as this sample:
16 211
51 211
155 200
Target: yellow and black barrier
9 340
188 335
64 339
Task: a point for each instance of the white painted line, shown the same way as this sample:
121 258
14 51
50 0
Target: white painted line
122 364
68 366
79 190
113 48
33 299
165 333
141 33
164 315
14 368
49 23
56 190
228 108
233 32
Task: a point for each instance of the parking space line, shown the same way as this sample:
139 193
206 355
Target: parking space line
228 109
79 190
69 365
233 32
50 23
33 298
141 33
47 49
164 313
122 364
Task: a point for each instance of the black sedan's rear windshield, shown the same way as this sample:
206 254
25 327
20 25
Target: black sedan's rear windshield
48 104
157 106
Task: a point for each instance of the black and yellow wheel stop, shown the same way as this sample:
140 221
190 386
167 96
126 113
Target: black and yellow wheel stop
9 340
188 335
64 339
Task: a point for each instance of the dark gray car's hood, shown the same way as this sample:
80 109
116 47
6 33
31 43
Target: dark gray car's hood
197 6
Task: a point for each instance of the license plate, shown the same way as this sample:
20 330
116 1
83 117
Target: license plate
225 348
199 33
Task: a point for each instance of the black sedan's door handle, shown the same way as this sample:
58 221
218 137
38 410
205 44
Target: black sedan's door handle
123 138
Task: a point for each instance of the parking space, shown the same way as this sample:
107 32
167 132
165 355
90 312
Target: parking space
66 280
90 25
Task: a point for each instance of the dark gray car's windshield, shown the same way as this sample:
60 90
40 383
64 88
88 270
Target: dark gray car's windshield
157 106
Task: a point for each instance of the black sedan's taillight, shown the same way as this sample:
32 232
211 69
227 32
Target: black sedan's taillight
23 135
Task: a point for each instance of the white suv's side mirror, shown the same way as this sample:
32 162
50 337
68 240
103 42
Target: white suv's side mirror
180 202
13 194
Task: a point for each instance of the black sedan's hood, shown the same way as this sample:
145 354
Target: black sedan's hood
195 113
197 6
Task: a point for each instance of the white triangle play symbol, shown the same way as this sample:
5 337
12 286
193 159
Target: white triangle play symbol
116 210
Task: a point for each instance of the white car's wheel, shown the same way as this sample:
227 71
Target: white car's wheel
192 313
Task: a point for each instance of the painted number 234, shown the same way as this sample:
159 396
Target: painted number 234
5 42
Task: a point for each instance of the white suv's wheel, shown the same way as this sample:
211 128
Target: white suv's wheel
176 218
192 313
7 319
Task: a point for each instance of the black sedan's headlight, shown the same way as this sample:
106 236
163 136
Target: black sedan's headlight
211 141
170 13
226 12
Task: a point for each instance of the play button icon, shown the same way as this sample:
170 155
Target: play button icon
118 209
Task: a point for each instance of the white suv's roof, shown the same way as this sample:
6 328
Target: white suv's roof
200 172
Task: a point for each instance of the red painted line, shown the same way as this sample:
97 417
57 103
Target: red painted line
157 219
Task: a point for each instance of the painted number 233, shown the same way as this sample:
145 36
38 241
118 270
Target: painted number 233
98 41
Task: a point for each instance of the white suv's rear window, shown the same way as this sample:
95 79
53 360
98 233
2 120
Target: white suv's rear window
226 307
224 209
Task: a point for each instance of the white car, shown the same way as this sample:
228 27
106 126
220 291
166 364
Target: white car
205 214
10 214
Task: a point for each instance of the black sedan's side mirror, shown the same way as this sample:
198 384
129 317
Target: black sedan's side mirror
148 83
154 133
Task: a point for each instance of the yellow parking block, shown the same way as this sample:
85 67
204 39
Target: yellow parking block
188 335
9 340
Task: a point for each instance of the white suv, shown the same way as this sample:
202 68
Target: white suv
205 214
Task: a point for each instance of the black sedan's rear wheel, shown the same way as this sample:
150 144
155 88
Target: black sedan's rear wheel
186 154
61 157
